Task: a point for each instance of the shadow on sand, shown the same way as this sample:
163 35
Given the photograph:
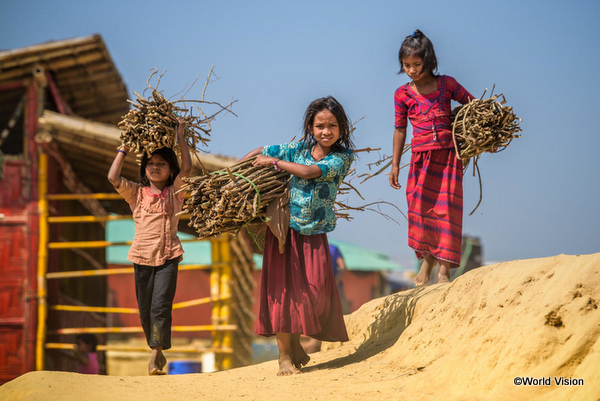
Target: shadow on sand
395 315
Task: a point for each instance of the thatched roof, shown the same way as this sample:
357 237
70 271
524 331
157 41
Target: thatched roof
90 84
83 70
90 147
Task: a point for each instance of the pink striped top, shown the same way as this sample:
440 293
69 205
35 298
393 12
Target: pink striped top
429 114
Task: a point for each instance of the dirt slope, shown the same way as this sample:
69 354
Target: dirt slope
468 340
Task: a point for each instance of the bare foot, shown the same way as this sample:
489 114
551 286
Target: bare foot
157 372
286 367
163 362
156 364
300 357
422 278
444 276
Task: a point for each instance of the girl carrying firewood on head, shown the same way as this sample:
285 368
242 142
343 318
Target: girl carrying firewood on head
434 187
298 290
156 250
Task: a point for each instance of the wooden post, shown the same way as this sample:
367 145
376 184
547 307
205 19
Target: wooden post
215 289
42 260
225 312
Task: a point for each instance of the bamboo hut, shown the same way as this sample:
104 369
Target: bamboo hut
60 103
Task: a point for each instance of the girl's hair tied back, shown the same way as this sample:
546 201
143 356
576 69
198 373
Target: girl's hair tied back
419 45
417 34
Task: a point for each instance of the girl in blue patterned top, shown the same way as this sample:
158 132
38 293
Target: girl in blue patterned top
298 290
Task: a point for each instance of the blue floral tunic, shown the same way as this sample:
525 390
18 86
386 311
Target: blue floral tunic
311 200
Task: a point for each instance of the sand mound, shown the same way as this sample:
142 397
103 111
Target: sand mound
465 341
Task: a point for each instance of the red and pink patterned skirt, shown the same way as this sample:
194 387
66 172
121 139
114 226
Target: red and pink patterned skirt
435 204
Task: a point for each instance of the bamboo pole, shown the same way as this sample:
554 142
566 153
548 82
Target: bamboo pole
194 267
99 309
215 292
110 272
104 330
133 311
184 350
103 196
96 244
88 273
98 149
87 219
80 127
42 259
225 291
86 244
199 301
95 219
110 116
68 79
112 94
56 46
57 64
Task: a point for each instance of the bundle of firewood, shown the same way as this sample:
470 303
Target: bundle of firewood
152 122
483 126
226 200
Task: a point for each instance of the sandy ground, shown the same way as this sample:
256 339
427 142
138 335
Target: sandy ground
467 340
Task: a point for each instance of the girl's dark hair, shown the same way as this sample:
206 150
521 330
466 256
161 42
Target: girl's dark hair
169 156
417 44
345 140
89 339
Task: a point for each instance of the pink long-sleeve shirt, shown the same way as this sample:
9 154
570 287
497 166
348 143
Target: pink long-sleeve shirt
156 220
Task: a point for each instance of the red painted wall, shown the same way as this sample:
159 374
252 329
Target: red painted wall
18 253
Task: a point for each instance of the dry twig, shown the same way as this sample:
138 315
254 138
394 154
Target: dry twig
226 200
483 126
152 122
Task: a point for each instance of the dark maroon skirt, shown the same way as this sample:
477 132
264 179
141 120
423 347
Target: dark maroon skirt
298 292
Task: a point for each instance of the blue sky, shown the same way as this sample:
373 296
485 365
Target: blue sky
540 196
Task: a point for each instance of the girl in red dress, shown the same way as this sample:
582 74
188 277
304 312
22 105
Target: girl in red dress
434 187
